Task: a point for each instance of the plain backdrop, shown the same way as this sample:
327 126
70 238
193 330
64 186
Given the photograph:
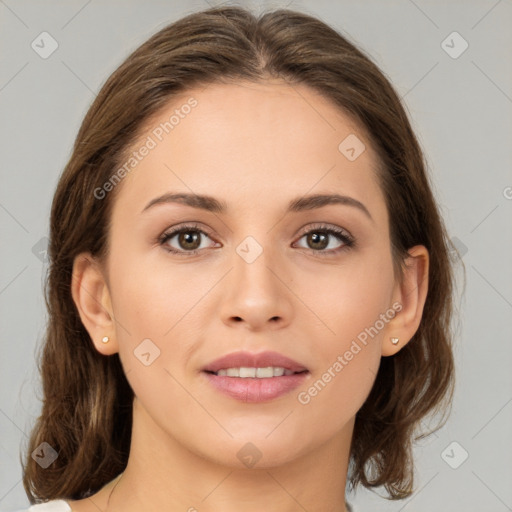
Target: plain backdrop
451 63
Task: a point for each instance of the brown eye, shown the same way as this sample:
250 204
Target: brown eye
187 240
317 241
321 237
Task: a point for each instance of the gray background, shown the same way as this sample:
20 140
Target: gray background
461 109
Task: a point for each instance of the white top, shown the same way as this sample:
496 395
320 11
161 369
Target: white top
62 506
50 506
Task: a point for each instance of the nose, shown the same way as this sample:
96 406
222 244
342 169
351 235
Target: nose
256 294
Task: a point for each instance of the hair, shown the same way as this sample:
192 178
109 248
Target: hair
86 414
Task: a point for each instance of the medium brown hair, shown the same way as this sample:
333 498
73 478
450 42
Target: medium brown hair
87 409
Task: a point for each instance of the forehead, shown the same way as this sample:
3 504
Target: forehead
242 141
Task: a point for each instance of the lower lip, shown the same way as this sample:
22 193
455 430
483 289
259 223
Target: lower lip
256 390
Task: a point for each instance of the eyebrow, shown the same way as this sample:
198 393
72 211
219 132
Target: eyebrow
211 204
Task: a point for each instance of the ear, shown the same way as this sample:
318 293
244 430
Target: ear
92 298
411 295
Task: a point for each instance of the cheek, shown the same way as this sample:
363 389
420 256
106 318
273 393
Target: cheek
347 354
351 306
153 310
343 299
335 395
162 303
150 295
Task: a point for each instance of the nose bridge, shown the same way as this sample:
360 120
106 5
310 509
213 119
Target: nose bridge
257 247
256 291
256 264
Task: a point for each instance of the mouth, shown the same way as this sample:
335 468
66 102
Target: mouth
258 365
245 372
255 377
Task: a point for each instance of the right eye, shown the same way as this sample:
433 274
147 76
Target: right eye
187 237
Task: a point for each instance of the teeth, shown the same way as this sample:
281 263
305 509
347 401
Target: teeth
258 373
248 372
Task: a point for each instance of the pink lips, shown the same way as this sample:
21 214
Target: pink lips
255 389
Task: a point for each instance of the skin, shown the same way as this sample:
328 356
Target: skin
255 146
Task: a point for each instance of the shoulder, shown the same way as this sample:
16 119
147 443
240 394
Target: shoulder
50 506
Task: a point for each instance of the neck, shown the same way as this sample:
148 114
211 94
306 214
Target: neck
162 474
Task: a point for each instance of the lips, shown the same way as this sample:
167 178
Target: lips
260 360
255 389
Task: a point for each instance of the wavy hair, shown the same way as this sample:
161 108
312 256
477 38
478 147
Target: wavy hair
87 405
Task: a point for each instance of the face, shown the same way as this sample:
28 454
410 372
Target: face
309 283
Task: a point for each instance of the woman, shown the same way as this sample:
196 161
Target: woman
250 289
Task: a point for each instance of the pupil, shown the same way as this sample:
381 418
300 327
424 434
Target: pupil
315 237
186 239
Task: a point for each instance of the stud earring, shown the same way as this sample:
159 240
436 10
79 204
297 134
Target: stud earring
394 341
105 339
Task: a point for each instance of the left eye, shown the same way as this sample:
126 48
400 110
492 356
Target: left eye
187 238
321 238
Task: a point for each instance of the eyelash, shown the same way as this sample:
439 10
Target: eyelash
341 234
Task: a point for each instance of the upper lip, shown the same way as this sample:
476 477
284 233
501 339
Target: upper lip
249 360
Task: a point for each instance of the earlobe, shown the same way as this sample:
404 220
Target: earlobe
411 294
92 299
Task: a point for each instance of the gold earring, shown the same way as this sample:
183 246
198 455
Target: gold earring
394 341
105 339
